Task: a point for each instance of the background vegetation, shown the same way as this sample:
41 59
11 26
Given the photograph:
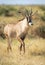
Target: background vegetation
12 14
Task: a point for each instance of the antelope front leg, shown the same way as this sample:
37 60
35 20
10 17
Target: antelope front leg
22 44
24 47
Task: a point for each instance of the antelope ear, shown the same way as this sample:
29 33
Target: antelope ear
26 12
26 16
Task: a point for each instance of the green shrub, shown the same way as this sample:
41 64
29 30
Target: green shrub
43 17
42 8
7 11
2 30
40 31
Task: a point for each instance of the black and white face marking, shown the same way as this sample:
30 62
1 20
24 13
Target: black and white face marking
29 19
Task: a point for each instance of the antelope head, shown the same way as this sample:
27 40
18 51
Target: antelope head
29 17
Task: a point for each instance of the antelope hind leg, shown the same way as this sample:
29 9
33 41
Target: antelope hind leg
9 45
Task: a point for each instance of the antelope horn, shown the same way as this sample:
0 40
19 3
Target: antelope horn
35 12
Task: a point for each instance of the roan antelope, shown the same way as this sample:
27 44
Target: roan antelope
18 30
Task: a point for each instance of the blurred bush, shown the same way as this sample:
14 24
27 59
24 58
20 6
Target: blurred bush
43 17
2 30
42 8
7 11
40 31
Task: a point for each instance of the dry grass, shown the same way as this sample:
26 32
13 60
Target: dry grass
9 19
35 53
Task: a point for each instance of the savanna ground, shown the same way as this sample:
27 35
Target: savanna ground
34 42
34 55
